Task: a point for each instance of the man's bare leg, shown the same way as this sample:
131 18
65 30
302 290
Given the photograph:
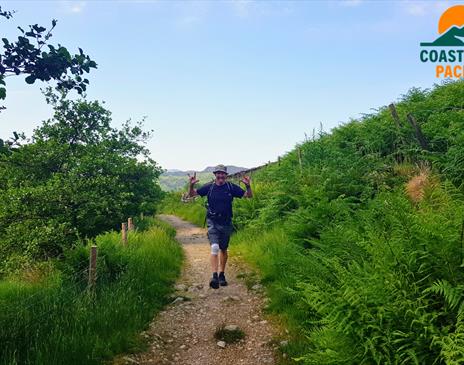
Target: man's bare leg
222 265
214 263
223 260
214 283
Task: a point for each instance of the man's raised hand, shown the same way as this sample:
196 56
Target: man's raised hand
246 180
193 179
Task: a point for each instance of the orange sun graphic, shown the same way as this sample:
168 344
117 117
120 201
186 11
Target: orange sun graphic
452 16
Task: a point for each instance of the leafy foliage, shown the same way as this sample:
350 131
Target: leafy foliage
28 56
76 178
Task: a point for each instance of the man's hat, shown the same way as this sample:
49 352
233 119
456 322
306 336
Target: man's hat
220 168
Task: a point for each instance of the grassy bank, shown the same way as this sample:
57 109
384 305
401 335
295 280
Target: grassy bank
358 235
49 317
382 286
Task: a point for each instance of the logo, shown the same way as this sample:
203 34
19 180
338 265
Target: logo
447 51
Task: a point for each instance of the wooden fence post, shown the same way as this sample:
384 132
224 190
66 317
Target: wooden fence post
417 129
130 224
93 266
399 125
278 160
395 116
124 233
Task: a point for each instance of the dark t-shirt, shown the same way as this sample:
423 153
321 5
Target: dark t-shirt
220 199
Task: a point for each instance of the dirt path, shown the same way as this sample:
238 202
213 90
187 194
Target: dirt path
184 332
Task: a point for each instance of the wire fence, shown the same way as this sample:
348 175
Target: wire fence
78 284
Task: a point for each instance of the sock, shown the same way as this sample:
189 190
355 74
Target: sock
215 274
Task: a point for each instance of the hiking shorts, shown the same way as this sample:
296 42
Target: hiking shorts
219 233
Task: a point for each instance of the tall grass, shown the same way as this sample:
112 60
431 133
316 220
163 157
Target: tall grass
281 264
58 321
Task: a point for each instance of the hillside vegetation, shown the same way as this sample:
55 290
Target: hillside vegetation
358 236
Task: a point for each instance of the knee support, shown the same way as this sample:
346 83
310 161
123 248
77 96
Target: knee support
214 249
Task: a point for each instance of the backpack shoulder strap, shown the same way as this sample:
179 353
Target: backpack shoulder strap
210 190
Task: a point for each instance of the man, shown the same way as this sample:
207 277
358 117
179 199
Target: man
220 194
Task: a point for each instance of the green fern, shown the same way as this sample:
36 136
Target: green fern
453 295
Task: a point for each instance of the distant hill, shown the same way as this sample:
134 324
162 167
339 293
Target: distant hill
174 179
175 172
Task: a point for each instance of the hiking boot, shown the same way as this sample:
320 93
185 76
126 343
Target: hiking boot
214 282
222 279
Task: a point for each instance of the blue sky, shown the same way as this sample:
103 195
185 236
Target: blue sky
234 82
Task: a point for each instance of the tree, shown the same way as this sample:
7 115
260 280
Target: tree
77 177
29 56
